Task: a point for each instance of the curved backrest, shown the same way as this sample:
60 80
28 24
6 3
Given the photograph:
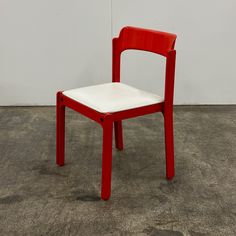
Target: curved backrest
146 40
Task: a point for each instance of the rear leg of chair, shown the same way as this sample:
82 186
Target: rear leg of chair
60 131
106 159
118 135
169 145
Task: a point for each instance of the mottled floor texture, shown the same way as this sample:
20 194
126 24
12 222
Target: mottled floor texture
39 198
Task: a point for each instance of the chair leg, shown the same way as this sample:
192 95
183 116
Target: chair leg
60 131
118 135
106 159
169 144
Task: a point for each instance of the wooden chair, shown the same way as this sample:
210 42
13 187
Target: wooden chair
108 104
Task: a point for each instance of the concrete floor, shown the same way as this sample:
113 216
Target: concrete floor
39 198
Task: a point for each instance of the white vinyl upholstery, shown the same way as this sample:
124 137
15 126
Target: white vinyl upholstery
112 97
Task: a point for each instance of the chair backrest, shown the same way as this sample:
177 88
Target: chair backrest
162 43
146 40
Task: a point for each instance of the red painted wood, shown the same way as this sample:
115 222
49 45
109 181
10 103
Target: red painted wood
169 143
82 109
106 157
168 114
170 78
146 40
122 115
115 60
116 78
118 135
138 39
60 131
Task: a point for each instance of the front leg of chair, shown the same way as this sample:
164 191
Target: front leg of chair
169 144
118 135
107 125
60 130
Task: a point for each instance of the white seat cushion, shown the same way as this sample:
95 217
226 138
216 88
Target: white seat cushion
112 97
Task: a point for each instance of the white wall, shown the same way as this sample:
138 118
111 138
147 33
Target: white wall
49 45
206 46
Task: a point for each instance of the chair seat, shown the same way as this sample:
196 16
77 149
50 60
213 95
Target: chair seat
112 97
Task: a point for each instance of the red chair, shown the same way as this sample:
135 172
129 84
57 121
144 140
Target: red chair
110 103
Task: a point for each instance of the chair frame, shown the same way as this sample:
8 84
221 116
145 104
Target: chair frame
130 38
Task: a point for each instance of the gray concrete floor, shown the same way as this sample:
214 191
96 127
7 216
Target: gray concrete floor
39 198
